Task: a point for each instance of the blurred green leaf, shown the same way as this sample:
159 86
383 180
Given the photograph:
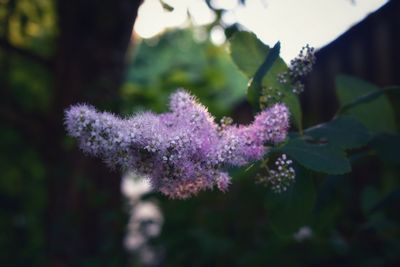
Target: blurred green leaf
344 132
367 98
248 52
292 101
254 90
389 199
387 146
370 197
292 209
166 6
365 102
376 218
318 157
329 201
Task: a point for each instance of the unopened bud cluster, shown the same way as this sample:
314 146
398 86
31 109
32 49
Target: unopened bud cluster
299 67
303 63
280 176
269 96
182 151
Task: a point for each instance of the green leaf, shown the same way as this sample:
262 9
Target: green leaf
166 6
256 87
248 52
318 157
367 98
362 101
344 132
292 209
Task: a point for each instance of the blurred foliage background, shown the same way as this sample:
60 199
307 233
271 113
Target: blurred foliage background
61 208
178 60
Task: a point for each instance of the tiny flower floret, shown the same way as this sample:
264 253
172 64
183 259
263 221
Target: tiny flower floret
182 151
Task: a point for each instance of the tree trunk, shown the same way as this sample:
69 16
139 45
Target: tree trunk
85 221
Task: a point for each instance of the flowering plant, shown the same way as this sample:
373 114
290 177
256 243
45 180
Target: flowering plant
184 151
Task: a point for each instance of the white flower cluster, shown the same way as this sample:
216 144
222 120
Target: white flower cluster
281 176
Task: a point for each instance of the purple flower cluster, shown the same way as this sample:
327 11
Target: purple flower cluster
182 151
